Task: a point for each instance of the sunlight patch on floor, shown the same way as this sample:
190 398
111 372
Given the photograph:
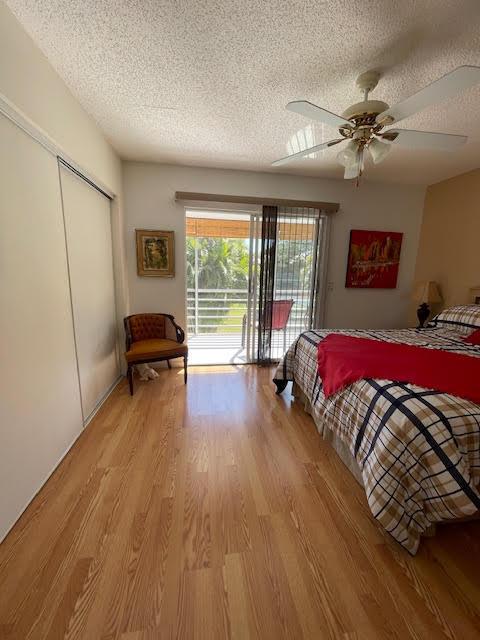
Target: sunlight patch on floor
213 368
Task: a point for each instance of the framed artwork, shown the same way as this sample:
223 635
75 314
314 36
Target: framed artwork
373 259
155 253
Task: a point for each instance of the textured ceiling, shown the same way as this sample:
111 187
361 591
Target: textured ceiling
205 82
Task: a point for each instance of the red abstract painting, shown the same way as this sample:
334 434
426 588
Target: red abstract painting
373 259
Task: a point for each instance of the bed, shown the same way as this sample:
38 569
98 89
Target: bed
416 451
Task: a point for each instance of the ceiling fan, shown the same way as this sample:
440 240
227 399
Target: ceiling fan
362 124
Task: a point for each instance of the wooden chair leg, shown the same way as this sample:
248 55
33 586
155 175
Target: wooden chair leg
130 378
169 365
185 360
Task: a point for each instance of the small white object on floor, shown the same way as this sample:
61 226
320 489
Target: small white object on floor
146 372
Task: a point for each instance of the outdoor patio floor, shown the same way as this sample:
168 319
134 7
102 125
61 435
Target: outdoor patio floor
225 348
216 348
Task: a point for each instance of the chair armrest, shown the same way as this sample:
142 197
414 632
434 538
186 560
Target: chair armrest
179 332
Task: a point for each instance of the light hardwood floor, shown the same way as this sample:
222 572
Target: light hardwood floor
216 511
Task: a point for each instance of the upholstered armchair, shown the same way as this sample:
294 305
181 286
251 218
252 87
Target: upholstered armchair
151 337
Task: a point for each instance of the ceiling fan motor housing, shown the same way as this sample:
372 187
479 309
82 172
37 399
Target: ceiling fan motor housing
364 113
364 109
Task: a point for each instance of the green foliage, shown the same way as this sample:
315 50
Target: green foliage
293 264
222 263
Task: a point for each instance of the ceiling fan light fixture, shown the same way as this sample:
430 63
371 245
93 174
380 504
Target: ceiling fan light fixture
348 155
355 169
378 150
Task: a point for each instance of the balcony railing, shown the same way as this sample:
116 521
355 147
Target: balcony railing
216 310
222 310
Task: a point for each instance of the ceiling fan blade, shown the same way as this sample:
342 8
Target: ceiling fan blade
445 87
309 110
424 139
307 152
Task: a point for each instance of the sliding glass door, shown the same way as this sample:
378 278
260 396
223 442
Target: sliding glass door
253 282
218 265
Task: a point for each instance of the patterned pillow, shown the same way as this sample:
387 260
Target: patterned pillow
463 318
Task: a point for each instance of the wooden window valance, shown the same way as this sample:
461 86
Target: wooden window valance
327 207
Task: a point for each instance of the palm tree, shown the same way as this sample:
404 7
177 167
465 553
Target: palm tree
215 263
190 267
222 264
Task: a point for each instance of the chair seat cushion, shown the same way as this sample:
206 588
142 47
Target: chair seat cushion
155 348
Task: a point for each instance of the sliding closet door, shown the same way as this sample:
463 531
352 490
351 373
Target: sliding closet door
40 414
89 248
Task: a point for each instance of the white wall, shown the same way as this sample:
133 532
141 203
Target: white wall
28 81
40 413
149 203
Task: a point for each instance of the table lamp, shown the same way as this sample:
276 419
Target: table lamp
425 293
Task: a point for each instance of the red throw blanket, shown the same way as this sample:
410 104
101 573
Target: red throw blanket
343 359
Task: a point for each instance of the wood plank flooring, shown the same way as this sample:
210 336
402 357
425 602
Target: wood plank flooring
216 511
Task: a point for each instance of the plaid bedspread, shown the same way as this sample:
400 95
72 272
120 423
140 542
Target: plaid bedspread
418 450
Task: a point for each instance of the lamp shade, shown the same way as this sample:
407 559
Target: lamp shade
379 150
355 169
348 156
427 292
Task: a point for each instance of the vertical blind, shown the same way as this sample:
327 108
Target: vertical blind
293 251
267 282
